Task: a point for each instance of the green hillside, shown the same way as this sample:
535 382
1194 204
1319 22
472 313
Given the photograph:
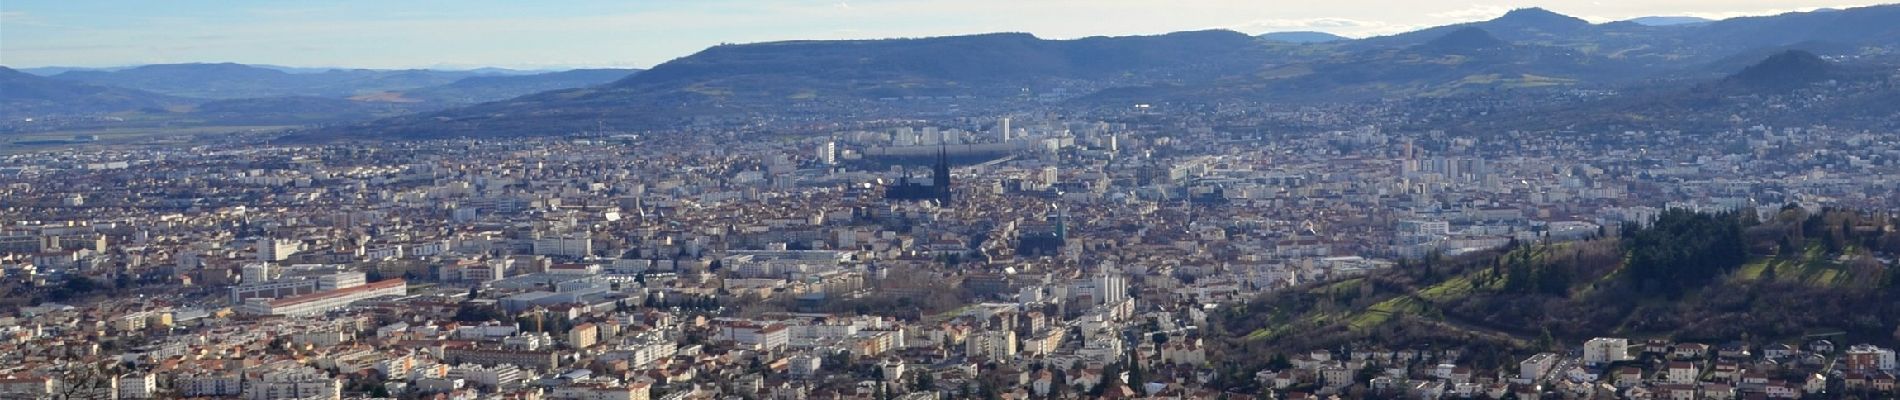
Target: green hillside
1689 277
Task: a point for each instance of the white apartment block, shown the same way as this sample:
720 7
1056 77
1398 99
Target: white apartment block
301 384
1600 351
137 386
271 249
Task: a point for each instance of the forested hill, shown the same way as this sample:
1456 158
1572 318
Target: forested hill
1710 278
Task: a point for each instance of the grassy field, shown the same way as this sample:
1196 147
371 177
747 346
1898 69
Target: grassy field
1417 303
1379 313
1812 267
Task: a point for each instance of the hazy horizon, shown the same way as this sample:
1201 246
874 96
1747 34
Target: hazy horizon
604 34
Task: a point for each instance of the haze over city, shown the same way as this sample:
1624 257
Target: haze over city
597 33
934 200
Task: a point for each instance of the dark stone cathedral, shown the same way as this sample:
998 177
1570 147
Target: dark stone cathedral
907 189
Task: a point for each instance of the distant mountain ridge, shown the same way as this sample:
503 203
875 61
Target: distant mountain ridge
988 57
235 81
1538 19
1302 37
1669 21
249 95
24 95
478 89
1529 48
1464 40
1782 79
1524 49
56 70
1789 69
775 76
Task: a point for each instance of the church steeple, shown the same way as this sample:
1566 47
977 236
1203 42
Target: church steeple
939 190
940 179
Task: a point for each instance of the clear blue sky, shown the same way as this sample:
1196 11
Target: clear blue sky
555 33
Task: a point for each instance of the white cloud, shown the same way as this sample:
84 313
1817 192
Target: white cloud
1337 26
1755 13
1469 14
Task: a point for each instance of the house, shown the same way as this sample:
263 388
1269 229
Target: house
1579 374
1526 392
1087 378
1335 376
1656 346
1811 359
1428 390
1816 383
1718 391
1497 390
1726 371
1627 377
1753 381
1782 390
1822 346
1882 382
1856 380
1681 372
1043 382
1676 391
1276 379
1690 351
1633 393
1779 351
1461 375
1382 384
1466 390
1734 350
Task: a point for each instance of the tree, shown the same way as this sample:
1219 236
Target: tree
75 286
474 313
1554 280
1110 374
1685 249
1060 382
883 388
1366 373
924 382
1279 362
1786 248
1893 277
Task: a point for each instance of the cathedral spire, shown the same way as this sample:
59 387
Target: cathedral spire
940 179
